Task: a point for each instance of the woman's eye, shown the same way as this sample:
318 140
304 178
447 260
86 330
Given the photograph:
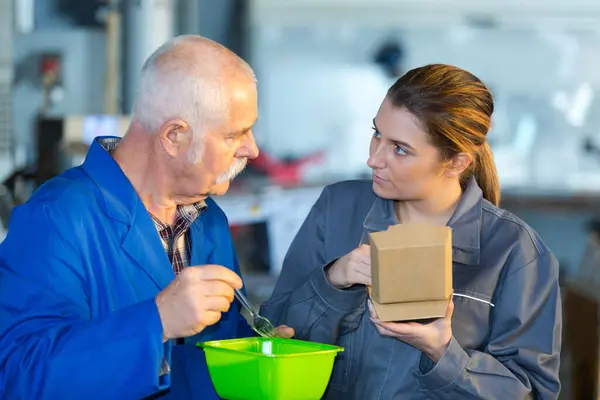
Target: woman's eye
399 150
376 133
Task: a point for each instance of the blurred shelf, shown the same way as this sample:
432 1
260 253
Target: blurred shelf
551 200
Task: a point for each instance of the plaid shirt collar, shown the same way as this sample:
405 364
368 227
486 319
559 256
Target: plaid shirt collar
185 216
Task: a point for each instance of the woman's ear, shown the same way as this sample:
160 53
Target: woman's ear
457 165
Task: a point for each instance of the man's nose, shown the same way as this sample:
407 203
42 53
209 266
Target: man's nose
248 149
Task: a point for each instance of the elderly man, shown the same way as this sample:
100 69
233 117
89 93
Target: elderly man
113 271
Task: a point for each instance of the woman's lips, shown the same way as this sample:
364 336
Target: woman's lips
378 179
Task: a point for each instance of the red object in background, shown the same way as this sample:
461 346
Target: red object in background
50 64
234 229
50 68
285 173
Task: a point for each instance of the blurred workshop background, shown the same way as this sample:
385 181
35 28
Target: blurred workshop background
69 68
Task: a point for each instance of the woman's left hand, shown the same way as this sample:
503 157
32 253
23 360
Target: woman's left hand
432 338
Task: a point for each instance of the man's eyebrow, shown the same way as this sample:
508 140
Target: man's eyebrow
243 131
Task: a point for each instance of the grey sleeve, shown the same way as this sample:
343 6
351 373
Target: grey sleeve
303 298
522 357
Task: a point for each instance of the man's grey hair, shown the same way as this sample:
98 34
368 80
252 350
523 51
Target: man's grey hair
186 78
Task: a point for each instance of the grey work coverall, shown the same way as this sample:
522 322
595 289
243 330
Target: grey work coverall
507 318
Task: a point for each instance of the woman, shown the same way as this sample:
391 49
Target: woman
500 338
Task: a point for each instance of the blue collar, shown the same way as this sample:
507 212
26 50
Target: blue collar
120 198
122 203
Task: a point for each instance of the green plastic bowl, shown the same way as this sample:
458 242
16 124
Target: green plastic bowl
269 368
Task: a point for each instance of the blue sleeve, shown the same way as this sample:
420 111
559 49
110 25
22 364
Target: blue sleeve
50 347
303 298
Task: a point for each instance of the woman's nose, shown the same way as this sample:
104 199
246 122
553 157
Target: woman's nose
376 159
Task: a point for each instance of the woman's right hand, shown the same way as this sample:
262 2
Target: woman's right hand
351 269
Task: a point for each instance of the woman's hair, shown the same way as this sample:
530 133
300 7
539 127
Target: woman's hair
455 109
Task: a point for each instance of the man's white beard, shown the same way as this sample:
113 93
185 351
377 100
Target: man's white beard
238 166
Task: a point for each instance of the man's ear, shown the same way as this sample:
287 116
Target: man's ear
175 137
458 164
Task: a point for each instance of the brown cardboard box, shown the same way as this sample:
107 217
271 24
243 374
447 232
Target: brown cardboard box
411 269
